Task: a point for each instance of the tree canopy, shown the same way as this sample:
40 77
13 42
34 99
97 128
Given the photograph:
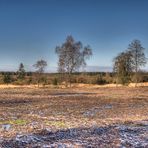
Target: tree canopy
72 56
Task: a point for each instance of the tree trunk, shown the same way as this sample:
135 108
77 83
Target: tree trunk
70 80
136 75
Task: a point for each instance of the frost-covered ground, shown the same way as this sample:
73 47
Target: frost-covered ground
132 135
103 117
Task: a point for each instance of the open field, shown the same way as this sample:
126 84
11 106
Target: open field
77 117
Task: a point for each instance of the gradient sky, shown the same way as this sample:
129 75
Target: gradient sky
31 29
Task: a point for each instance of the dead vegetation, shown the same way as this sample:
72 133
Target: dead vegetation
116 112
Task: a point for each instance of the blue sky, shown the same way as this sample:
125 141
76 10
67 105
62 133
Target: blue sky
31 29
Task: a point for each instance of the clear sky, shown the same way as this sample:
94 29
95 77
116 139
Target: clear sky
31 29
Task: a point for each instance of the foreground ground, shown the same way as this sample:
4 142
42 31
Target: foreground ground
90 117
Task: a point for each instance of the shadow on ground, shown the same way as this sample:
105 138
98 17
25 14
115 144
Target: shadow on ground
125 135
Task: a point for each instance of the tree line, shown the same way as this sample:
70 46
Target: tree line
72 55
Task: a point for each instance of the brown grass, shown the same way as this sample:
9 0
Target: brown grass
29 109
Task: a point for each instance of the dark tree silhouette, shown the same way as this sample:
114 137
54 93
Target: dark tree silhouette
21 71
123 67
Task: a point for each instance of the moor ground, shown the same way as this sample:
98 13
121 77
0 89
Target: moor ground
29 110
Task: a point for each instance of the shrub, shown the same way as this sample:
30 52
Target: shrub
7 78
55 81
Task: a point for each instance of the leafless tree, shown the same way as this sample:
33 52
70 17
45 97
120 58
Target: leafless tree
72 56
40 67
138 56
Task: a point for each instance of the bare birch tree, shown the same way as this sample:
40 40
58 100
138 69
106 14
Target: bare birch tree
40 67
72 56
138 57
